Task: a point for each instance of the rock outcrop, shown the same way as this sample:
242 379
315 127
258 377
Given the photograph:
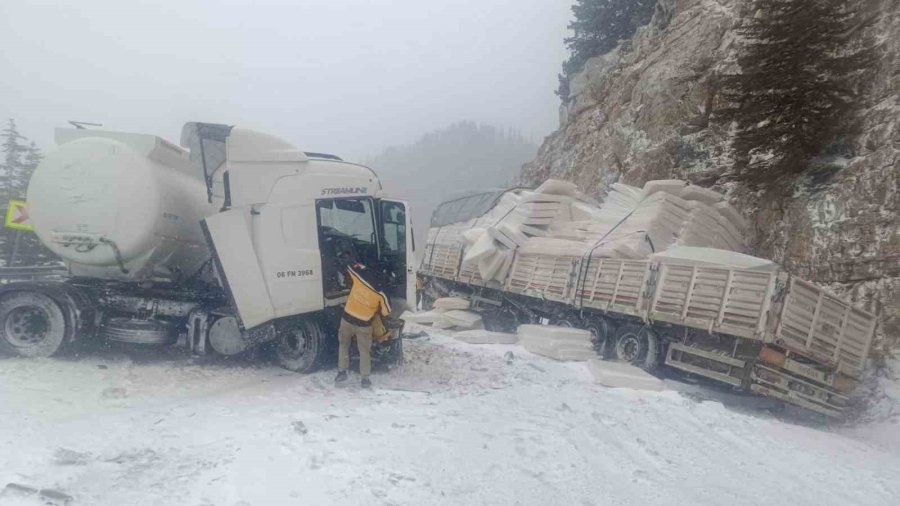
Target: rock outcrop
643 112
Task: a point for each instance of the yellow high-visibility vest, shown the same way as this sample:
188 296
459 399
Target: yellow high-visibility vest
365 301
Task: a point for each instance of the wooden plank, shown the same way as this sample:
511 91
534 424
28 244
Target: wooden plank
618 280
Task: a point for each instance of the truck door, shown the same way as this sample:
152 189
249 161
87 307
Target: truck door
397 247
347 234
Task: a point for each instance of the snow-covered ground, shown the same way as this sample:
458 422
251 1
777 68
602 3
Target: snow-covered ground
457 424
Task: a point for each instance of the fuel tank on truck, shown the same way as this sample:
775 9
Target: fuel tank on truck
121 206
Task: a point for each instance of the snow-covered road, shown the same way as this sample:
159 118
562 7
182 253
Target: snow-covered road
458 424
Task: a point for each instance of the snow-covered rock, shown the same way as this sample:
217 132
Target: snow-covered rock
646 112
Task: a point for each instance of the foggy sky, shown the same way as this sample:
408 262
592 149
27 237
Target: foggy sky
345 76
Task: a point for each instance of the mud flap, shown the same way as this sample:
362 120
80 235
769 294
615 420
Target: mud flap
229 240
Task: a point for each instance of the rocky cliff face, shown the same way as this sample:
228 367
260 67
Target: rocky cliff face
642 112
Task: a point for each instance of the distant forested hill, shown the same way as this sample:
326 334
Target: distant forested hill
460 158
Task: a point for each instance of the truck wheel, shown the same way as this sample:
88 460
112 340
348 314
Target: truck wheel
570 322
505 319
637 345
602 335
298 346
31 324
395 352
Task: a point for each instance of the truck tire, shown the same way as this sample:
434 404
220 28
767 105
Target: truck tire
505 319
394 354
636 345
31 324
603 334
600 329
299 346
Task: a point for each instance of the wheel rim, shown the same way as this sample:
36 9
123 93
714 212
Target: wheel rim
629 348
296 343
27 326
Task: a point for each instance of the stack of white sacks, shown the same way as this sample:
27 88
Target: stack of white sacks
632 223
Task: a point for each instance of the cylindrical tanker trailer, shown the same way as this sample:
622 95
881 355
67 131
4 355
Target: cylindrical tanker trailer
121 206
234 239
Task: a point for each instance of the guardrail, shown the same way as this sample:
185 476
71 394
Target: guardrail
32 273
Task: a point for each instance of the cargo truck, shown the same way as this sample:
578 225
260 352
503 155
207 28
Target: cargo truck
755 328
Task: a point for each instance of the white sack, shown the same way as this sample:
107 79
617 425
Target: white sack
707 196
557 187
451 303
423 317
621 375
672 186
481 336
462 319
483 247
473 234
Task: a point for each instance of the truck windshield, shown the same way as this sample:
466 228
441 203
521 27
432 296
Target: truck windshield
352 217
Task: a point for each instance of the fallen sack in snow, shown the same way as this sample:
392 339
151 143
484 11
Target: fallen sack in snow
558 343
486 337
462 319
451 303
559 350
553 332
441 323
621 375
421 318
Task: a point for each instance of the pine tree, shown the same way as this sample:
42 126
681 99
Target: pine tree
11 169
31 251
799 86
19 162
30 161
598 28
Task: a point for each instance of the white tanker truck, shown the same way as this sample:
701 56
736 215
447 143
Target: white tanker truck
231 240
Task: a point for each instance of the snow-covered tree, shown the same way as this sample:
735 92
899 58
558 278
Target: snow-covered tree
20 159
13 154
799 86
597 29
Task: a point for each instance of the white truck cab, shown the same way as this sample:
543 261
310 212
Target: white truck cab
271 227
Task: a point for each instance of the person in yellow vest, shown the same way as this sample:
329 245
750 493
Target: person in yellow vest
366 304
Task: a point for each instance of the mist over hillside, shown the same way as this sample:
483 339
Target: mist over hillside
461 158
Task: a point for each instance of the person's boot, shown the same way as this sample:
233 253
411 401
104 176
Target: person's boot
341 377
366 383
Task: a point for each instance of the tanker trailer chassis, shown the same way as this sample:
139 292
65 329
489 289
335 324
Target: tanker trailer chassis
40 319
